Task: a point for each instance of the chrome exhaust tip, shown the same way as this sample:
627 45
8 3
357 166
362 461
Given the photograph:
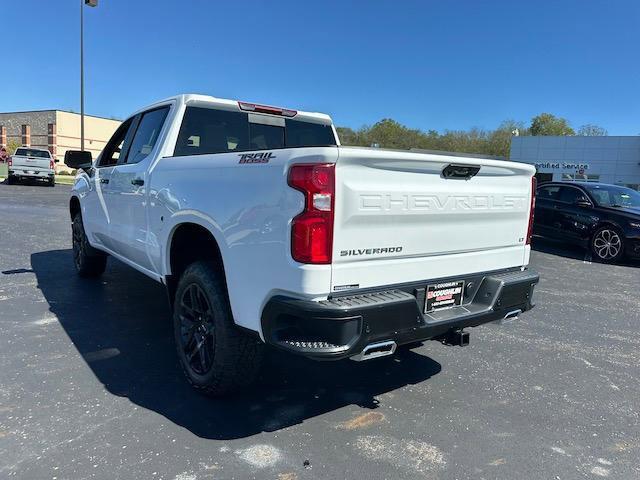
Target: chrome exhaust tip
509 317
376 350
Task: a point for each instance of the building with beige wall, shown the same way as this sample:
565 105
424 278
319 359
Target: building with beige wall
55 130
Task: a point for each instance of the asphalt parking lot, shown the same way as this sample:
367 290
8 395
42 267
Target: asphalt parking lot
90 386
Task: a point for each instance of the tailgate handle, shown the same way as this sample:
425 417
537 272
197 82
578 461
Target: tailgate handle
460 171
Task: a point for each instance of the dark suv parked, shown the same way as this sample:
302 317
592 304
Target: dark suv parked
604 218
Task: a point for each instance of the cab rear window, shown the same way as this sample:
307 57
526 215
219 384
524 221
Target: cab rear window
206 131
30 152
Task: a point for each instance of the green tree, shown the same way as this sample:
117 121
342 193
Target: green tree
499 141
12 145
390 134
548 124
347 136
591 130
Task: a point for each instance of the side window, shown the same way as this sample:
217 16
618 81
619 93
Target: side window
206 130
601 196
570 195
113 149
146 135
548 193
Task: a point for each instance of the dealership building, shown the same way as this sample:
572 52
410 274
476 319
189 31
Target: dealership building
614 160
55 130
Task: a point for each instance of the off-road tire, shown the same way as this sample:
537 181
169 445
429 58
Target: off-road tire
235 356
11 180
52 183
89 262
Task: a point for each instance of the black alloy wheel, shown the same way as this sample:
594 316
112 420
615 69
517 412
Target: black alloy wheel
217 357
88 261
197 329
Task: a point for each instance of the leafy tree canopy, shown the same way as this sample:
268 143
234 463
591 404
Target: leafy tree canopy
12 146
591 130
388 133
548 124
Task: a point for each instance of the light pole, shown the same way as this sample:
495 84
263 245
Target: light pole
91 3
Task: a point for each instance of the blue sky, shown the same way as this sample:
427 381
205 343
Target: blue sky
429 64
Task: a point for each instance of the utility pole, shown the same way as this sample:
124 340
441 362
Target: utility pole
91 3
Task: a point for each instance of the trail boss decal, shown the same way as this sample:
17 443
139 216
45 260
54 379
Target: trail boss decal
369 251
256 157
443 295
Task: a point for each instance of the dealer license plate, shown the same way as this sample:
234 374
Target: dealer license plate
443 295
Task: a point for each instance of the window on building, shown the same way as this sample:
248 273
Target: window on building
580 177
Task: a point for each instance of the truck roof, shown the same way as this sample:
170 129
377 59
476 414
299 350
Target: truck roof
227 104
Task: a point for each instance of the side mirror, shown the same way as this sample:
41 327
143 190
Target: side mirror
77 159
582 202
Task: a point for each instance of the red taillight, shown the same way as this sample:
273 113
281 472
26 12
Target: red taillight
10 162
312 230
51 164
252 107
532 208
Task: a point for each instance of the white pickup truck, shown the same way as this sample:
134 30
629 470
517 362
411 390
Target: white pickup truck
32 163
266 231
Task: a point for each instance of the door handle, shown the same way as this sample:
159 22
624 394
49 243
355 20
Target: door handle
104 180
137 181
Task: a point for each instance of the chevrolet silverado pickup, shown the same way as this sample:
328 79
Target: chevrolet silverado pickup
265 230
33 164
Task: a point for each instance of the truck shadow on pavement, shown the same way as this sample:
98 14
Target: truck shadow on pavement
121 325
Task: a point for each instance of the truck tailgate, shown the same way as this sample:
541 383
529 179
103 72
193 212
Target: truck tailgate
398 219
32 164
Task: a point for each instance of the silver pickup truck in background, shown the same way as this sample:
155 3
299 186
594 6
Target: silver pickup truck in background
32 163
